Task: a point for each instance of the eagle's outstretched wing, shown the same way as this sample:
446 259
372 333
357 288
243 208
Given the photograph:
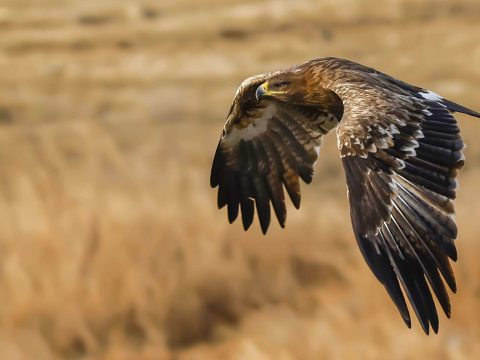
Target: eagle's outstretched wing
266 145
401 161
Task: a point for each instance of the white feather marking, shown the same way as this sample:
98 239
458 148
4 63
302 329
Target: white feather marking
455 184
381 143
412 144
410 152
326 123
394 130
317 150
259 126
393 187
426 112
419 134
430 95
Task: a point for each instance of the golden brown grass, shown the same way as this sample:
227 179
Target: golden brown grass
110 243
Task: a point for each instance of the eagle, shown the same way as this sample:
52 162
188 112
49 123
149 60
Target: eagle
400 147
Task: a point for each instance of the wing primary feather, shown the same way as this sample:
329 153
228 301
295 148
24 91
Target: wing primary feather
290 173
217 166
410 287
425 259
424 234
441 226
305 169
439 135
389 238
452 145
439 155
274 182
222 196
246 191
416 266
441 126
233 196
383 270
246 203
261 193
462 109
432 181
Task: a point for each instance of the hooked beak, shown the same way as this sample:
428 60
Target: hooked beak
261 91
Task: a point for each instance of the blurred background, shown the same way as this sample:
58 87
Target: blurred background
111 246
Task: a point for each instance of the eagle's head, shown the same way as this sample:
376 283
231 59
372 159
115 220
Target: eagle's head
300 88
285 87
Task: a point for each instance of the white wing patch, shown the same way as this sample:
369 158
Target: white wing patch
317 148
257 127
430 95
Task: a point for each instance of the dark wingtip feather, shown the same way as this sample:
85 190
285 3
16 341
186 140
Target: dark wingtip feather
296 199
265 221
229 181
246 226
382 269
279 208
448 314
221 197
451 282
262 204
451 251
264 230
306 174
293 190
453 286
247 207
217 166
232 212
434 322
452 106
407 321
424 321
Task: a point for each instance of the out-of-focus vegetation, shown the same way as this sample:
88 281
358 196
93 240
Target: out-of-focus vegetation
111 246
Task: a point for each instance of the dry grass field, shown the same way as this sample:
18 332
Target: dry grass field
111 246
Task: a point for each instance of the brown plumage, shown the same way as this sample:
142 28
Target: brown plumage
400 147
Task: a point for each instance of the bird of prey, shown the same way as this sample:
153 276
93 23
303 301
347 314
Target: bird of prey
400 147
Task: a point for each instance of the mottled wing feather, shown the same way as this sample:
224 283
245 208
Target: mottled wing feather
266 146
401 179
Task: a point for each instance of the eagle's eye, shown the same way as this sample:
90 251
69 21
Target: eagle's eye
279 85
